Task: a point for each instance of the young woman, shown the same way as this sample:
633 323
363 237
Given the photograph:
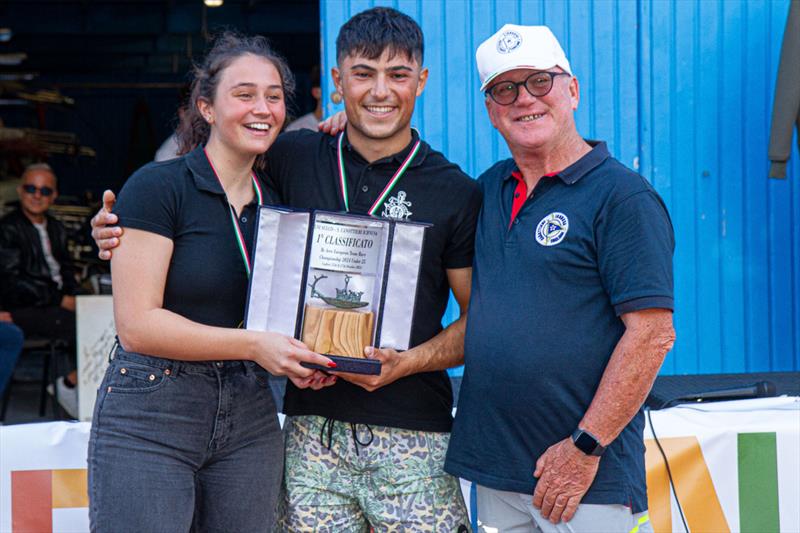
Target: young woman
185 432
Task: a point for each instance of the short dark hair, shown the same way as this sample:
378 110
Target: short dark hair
371 32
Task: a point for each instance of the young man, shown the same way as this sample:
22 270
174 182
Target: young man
571 312
369 450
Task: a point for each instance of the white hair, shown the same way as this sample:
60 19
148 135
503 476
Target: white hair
39 166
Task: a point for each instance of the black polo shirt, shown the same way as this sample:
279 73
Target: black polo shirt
302 169
592 242
183 200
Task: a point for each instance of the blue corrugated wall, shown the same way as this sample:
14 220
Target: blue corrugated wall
682 91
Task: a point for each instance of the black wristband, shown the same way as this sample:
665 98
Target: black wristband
587 443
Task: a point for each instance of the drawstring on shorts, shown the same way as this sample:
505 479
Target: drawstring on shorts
328 424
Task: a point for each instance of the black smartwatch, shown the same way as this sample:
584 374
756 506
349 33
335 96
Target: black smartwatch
587 443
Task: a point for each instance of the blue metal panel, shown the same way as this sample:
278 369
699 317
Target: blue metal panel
754 238
780 228
795 225
731 137
682 92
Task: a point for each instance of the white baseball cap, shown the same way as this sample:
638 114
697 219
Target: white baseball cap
513 47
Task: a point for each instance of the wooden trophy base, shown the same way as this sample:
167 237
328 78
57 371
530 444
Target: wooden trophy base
341 335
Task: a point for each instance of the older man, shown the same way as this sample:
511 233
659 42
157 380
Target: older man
571 310
37 278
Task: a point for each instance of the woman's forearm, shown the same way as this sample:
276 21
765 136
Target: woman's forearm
139 270
166 334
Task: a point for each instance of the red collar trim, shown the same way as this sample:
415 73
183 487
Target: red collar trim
521 193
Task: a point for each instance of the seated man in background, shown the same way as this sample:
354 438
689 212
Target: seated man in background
37 279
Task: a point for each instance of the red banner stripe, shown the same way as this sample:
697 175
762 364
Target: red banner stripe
31 501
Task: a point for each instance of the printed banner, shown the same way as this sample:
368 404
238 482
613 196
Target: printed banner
43 485
735 466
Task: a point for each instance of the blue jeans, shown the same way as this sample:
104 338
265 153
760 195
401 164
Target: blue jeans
178 446
10 347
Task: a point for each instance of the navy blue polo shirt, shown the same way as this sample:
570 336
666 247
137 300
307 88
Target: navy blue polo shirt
592 242
183 200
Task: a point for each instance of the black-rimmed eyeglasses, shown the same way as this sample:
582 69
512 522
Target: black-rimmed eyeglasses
537 84
44 191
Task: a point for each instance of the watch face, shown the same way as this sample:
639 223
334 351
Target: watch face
587 443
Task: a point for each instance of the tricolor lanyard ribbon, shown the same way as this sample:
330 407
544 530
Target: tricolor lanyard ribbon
234 219
389 186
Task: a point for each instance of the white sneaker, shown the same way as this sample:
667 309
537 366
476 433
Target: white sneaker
67 397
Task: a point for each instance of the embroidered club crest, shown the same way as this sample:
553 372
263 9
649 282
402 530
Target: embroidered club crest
552 229
396 207
508 41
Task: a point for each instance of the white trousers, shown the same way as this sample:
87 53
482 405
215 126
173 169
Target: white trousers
511 512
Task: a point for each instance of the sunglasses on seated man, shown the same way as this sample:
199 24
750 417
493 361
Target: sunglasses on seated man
537 84
44 191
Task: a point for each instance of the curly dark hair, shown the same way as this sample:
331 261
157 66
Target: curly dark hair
193 130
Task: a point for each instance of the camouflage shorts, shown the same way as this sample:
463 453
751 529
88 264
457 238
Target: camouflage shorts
392 482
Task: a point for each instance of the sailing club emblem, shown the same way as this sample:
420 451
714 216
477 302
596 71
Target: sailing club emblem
552 229
396 207
508 41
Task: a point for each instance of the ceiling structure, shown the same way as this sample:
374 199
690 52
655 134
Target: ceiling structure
124 41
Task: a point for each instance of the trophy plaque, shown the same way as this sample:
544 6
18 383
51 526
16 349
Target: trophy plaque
338 282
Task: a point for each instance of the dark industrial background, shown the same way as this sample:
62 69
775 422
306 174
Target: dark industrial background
109 73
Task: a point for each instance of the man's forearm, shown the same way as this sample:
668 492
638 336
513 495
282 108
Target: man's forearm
441 352
629 375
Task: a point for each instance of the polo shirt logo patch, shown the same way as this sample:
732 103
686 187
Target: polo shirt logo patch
396 207
552 229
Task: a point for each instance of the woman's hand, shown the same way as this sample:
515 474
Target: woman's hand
318 380
281 356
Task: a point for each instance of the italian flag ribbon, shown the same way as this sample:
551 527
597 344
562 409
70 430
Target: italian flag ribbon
234 219
389 186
